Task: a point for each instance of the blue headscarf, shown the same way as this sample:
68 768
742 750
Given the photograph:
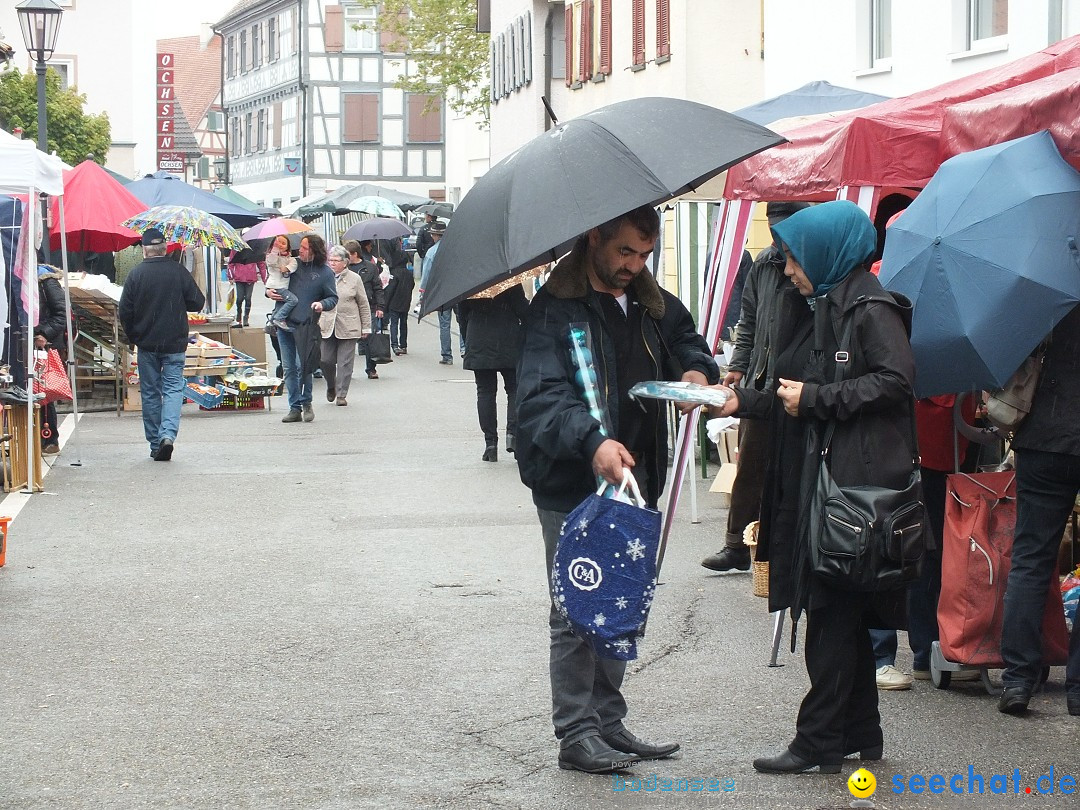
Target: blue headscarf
828 241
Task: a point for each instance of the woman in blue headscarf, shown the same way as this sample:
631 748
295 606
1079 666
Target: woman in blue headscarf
829 248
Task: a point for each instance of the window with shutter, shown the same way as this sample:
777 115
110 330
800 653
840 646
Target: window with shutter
335 29
272 47
256 45
361 121
638 38
230 56
663 28
276 142
605 37
569 33
260 144
585 50
389 42
424 127
243 52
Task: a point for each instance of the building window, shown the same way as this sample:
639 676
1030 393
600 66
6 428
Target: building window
585 67
357 38
272 47
568 28
605 38
215 121
637 39
256 45
249 135
260 144
880 30
236 146
987 18
243 56
230 56
361 119
423 125
663 29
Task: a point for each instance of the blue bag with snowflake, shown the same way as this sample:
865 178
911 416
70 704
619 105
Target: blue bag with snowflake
604 574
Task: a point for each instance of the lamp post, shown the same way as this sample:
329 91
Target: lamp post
40 23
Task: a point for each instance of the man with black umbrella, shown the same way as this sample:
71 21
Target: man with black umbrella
638 332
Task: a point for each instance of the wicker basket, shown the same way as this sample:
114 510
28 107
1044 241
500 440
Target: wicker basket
760 570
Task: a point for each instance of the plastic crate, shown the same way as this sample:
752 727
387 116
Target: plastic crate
238 403
204 400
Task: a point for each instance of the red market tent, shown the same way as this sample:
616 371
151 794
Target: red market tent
94 206
1052 103
892 143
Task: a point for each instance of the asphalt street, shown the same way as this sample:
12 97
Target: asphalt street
352 614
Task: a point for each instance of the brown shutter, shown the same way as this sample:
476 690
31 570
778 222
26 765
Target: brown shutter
569 33
361 117
638 55
389 42
335 29
586 40
277 125
605 37
424 127
663 27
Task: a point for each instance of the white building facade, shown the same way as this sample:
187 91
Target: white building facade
896 47
310 104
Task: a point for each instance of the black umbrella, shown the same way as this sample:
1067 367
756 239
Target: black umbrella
376 228
530 208
440 210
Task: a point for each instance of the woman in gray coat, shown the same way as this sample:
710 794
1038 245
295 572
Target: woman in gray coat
492 331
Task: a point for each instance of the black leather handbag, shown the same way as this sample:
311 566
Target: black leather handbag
865 538
378 348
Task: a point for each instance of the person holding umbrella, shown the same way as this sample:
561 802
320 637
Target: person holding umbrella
316 292
638 332
362 262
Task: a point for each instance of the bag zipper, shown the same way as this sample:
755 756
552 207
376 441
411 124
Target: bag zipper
989 562
912 527
844 523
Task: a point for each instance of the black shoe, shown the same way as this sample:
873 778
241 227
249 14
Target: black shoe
1014 699
331 394
446 361
164 451
511 444
292 416
491 453
625 741
728 559
1073 702
593 755
317 374
787 762
309 413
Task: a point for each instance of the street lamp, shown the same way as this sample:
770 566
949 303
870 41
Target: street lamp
40 23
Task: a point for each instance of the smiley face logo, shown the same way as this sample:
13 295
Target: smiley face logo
862 784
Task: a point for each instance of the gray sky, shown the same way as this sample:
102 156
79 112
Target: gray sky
183 19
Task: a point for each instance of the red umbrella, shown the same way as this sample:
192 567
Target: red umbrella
94 206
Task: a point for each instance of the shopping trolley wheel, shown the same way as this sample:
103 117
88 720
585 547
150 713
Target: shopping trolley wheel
941 678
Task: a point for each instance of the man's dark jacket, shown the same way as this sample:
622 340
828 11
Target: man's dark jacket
369 271
556 435
492 330
1053 425
424 240
158 295
757 322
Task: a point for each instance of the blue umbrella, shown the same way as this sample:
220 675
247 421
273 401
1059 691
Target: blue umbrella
988 255
162 188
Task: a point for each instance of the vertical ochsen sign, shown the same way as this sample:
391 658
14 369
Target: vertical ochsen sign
166 103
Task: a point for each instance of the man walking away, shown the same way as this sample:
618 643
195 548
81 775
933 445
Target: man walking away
638 331
158 295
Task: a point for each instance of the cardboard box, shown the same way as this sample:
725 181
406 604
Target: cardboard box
251 340
132 398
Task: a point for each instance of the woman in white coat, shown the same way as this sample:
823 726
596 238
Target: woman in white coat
342 327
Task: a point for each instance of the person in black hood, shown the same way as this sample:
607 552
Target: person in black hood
638 332
50 332
827 249
158 295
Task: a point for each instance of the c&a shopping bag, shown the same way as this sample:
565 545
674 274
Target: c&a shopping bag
50 377
604 574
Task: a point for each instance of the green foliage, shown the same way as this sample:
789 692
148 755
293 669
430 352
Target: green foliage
72 134
440 36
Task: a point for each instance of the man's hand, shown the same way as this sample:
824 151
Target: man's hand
728 408
378 313
790 392
40 342
609 460
274 295
317 306
732 378
691 377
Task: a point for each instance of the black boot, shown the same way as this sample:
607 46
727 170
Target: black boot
729 559
491 453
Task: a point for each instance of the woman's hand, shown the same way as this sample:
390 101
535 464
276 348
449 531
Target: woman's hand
790 392
728 408
40 342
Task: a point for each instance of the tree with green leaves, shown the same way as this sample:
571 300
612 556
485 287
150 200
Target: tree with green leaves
440 37
72 134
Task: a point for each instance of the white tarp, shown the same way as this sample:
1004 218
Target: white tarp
23 167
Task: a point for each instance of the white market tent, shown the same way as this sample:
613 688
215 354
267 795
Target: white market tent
26 171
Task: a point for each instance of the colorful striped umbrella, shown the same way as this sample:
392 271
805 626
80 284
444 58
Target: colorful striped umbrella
187 226
279 226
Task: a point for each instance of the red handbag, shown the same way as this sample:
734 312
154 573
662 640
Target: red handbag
50 377
980 514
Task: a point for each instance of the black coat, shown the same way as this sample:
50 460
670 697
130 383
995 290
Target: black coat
873 442
752 354
369 274
556 435
492 329
1053 425
52 319
158 294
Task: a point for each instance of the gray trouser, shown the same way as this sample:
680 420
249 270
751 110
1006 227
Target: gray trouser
585 696
337 359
